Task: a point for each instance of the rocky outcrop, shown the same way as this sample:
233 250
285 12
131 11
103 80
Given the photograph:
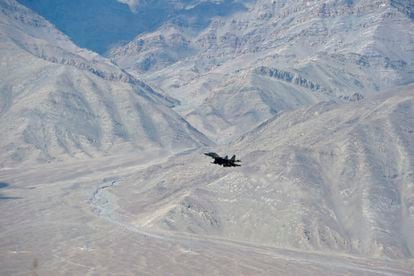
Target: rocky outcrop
290 77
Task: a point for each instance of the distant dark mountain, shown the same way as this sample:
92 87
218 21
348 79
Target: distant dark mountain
100 24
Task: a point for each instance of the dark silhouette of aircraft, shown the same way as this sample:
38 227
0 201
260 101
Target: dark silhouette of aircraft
223 161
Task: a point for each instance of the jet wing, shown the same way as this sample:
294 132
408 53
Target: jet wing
212 154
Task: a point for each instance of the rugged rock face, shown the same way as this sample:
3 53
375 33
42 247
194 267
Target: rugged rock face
61 102
290 78
331 49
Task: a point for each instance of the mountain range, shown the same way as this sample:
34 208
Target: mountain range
101 24
69 102
106 109
278 56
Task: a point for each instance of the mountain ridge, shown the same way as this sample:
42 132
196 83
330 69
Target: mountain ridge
71 103
102 24
335 49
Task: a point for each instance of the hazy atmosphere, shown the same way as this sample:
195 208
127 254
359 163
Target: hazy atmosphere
206 137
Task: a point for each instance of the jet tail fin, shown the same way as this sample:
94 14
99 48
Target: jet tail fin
233 158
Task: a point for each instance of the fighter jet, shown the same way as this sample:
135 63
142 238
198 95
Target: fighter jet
223 161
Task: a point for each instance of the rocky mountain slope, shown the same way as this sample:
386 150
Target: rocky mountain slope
328 178
60 101
276 56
